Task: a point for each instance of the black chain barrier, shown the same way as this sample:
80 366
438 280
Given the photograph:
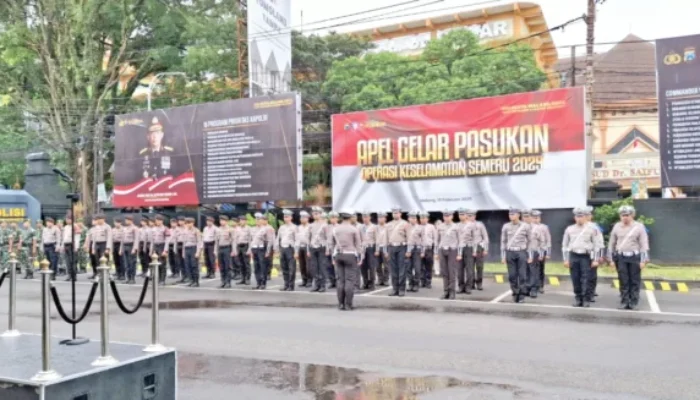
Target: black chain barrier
121 305
2 277
62 312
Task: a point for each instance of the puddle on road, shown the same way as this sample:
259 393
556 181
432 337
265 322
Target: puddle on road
286 380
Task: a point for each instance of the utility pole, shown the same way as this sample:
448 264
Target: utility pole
590 40
572 81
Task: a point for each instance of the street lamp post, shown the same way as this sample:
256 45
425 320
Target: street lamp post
153 81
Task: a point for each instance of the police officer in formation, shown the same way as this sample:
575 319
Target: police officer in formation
191 250
261 246
383 262
223 249
629 250
398 232
173 259
304 241
449 254
51 238
465 266
328 228
67 247
129 249
581 251
370 251
428 252
516 253
545 251
346 247
592 285
243 236
414 253
287 246
209 237
317 250
144 243
158 247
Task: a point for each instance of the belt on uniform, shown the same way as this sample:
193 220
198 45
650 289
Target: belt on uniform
287 247
49 244
225 246
242 244
517 249
190 247
581 252
128 243
103 242
258 247
448 248
397 244
349 252
208 243
316 247
629 253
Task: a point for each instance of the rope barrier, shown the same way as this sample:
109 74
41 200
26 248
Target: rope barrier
2 277
61 311
121 305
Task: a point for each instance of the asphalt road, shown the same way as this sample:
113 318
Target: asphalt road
279 345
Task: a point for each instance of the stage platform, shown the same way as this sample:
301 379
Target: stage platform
137 375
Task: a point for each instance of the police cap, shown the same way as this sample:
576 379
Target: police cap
223 218
536 213
144 218
303 214
395 209
99 216
128 218
49 219
160 218
424 214
448 212
181 218
189 220
412 214
514 211
579 211
242 217
316 209
259 216
115 219
367 213
525 212
333 214
626 210
210 218
471 211
286 212
346 214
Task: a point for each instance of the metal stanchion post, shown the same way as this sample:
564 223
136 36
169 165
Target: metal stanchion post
155 345
46 374
105 359
12 312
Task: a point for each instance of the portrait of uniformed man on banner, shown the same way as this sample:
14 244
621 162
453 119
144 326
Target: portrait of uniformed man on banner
156 157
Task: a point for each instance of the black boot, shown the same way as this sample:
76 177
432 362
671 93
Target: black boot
479 286
578 302
445 296
394 293
452 295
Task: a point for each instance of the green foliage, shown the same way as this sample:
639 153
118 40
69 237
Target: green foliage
250 220
13 147
606 216
453 67
272 220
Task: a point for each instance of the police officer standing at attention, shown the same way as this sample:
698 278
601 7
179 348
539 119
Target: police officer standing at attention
449 250
158 247
480 249
600 245
303 242
465 272
101 238
383 267
209 238
179 245
173 259
541 248
629 249
537 219
288 249
68 248
428 254
346 245
580 251
144 245
243 236
330 268
50 237
192 248
370 252
516 238
129 248
261 250
414 255
317 250
398 232
117 237
225 238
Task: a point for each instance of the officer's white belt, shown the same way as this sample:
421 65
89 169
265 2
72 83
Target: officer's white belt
397 244
349 252
516 248
448 248
629 253
581 251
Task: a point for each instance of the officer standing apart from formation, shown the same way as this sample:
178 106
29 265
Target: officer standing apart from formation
370 252
346 245
51 237
288 249
243 237
209 238
629 250
581 253
429 241
414 255
158 249
465 273
191 250
223 247
383 264
516 253
398 232
317 250
261 249
129 248
449 254
303 242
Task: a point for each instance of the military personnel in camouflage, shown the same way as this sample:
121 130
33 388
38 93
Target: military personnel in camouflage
4 244
28 249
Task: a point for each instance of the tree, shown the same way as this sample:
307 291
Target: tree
453 67
607 215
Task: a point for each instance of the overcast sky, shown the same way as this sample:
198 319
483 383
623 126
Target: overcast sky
648 19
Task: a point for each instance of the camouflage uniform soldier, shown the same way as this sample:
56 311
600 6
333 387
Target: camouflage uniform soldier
38 228
4 244
28 246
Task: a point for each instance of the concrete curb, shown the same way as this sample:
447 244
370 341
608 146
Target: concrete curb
647 284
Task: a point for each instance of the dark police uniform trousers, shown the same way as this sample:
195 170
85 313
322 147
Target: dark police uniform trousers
242 261
318 267
517 271
383 268
289 266
592 282
52 256
630 274
397 257
260 265
479 266
69 253
115 256
414 268
100 250
330 270
346 271
369 267
181 262
192 263
159 248
533 268
225 264
465 271
542 276
448 268
209 258
129 260
173 260
304 267
428 264
580 267
144 257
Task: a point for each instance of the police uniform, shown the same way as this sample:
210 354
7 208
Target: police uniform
179 245
67 247
328 235
592 285
516 240
465 272
398 232
548 251
156 163
414 260
225 238
173 259
287 246
370 253
540 248
428 257
117 237
317 251
158 245
191 248
629 248
261 245
101 238
209 238
303 242
383 267
580 249
144 245
346 245
243 236
51 237
129 248
481 246
448 251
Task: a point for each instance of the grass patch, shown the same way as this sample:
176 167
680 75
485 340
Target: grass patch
652 271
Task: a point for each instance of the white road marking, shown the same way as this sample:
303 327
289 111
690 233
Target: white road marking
376 291
501 296
653 304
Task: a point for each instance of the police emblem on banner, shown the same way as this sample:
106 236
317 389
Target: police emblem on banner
689 54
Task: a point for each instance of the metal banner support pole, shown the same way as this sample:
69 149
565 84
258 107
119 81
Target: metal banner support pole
46 374
12 312
155 346
105 359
